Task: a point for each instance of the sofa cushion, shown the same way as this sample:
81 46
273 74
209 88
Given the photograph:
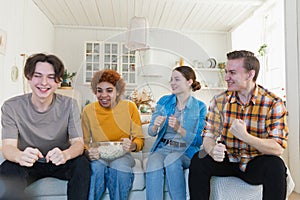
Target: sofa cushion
149 140
56 187
48 187
234 188
139 176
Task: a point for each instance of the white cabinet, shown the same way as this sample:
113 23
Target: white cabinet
128 64
92 60
109 55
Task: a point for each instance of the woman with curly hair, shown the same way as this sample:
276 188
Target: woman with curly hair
111 119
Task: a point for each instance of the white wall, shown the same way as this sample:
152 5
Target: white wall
28 31
69 45
266 26
292 49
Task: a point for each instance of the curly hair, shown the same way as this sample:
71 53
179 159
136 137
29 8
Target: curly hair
188 73
57 64
110 76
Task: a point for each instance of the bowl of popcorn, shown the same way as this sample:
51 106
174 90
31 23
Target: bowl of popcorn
110 150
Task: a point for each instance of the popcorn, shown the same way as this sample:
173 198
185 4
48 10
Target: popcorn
111 150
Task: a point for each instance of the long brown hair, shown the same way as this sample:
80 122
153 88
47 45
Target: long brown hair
188 73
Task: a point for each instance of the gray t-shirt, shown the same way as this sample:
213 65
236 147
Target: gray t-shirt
42 130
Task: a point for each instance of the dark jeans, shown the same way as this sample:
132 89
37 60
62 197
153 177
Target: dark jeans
76 171
268 170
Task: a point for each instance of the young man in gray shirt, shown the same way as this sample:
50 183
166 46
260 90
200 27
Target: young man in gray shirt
41 132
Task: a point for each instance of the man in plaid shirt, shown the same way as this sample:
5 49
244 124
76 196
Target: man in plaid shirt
246 132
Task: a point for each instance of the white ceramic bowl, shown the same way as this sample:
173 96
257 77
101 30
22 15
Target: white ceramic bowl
110 150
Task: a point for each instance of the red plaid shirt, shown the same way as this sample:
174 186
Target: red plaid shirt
265 116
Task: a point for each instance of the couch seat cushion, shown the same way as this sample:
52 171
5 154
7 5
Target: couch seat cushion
48 187
234 188
139 176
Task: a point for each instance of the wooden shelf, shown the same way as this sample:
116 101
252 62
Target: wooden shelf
213 88
151 75
66 88
208 69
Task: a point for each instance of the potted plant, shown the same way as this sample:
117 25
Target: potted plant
67 76
262 50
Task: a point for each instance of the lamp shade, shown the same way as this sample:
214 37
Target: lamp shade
137 38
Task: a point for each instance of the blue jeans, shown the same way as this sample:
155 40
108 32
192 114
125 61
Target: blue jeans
116 175
169 161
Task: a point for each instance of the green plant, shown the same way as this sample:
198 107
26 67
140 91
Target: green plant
67 75
262 50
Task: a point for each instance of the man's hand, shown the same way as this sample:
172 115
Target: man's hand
56 156
218 152
239 129
29 156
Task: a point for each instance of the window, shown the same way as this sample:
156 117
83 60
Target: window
109 55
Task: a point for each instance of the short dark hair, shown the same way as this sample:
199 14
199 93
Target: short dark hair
250 61
57 64
110 76
188 73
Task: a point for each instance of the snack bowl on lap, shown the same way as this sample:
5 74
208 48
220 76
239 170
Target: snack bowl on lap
110 150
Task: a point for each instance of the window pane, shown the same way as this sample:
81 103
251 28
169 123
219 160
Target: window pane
114 48
107 48
96 48
96 67
132 78
89 48
124 68
88 77
114 58
89 58
96 58
132 59
107 58
125 59
114 67
89 66
125 77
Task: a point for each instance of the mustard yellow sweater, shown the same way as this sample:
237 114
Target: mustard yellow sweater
106 124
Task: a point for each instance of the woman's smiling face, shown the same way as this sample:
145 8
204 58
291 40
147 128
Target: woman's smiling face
106 94
179 84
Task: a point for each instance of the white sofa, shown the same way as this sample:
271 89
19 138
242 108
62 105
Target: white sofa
54 189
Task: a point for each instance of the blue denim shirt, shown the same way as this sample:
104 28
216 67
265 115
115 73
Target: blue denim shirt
193 121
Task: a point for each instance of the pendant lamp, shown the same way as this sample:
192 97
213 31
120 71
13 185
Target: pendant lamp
137 38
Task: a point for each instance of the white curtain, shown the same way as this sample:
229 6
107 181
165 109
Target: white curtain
292 27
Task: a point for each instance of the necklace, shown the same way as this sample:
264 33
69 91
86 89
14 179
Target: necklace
179 110
180 106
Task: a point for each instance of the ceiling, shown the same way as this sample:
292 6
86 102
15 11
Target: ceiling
187 15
